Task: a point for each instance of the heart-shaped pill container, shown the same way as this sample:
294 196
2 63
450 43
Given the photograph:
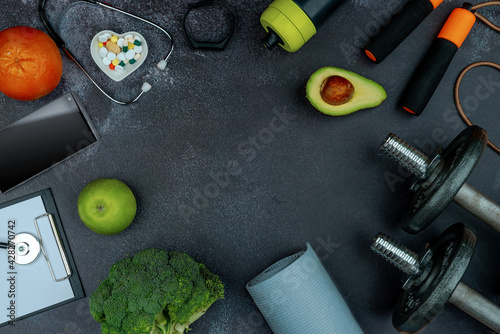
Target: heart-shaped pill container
128 68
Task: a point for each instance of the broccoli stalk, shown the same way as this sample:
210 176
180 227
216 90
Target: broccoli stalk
154 292
177 328
161 324
180 329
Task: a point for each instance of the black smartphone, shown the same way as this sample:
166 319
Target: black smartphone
44 138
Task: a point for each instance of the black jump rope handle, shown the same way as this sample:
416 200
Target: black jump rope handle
427 76
433 66
399 27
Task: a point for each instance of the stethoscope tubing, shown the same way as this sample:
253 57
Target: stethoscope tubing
60 42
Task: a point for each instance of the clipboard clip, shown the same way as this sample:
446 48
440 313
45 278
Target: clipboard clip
59 246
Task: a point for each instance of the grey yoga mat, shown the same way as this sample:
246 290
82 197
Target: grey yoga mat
297 296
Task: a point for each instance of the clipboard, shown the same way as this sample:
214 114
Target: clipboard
49 280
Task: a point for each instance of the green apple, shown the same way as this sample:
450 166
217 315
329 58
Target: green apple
107 206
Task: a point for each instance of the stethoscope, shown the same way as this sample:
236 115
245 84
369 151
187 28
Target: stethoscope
162 64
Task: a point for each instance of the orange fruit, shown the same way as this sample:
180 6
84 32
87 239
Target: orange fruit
30 63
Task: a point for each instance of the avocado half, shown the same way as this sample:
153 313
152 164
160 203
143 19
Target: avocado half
367 93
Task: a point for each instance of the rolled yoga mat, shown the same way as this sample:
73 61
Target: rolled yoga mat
296 296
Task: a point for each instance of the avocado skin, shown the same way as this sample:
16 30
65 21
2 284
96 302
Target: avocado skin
367 93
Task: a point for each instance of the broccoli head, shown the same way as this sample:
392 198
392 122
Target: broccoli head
154 292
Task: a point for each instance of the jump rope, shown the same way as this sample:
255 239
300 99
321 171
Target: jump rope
433 66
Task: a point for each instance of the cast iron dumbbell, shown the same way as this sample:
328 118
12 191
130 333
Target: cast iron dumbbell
434 278
442 179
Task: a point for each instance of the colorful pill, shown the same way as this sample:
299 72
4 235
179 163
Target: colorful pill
114 39
121 64
132 61
111 66
125 48
115 62
130 46
100 45
136 42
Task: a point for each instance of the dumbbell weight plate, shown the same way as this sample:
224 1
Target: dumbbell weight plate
453 250
458 162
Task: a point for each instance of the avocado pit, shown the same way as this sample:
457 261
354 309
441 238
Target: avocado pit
336 90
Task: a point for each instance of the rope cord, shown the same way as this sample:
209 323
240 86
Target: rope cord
477 64
484 19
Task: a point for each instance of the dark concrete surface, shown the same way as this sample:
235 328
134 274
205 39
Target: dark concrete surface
313 178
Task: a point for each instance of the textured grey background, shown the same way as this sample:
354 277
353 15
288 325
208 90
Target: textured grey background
314 179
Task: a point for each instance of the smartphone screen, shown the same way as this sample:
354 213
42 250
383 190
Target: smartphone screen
43 139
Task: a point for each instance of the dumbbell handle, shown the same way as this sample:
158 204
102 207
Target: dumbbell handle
479 205
467 197
477 306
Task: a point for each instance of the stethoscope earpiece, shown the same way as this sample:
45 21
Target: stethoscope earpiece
162 64
146 87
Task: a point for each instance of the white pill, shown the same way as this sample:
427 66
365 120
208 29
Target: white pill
120 42
130 54
137 56
138 49
111 55
106 61
119 68
108 35
102 38
103 52
121 56
128 36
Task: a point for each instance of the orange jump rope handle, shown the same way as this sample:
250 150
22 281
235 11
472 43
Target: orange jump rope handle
398 28
433 66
